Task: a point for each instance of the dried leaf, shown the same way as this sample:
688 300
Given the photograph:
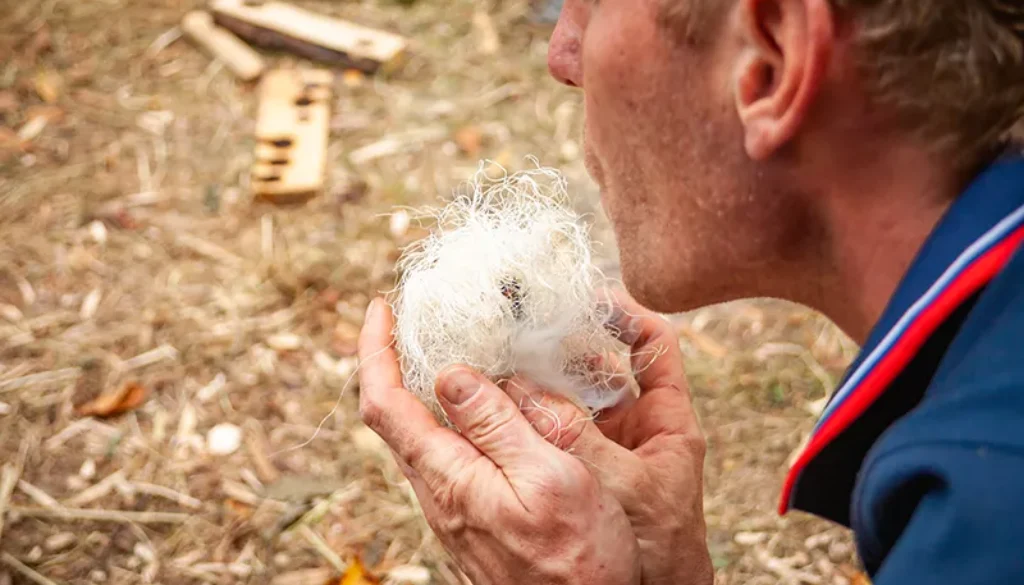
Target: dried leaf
128 397
356 574
48 86
239 509
470 140
353 78
855 576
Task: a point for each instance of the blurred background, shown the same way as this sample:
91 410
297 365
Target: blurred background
175 354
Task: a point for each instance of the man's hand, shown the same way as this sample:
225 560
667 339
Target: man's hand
648 451
509 506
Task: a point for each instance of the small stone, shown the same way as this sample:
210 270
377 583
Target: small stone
88 469
4 408
570 151
133 563
59 541
224 439
749 538
34 555
399 223
98 232
97 576
282 560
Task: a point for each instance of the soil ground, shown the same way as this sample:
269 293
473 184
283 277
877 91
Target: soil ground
132 258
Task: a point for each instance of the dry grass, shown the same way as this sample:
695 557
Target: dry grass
131 253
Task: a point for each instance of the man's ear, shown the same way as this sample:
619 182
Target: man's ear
786 46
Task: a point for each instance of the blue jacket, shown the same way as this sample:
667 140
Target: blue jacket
921 449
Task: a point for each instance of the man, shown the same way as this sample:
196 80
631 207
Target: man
846 154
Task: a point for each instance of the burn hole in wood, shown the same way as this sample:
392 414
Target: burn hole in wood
269 178
280 142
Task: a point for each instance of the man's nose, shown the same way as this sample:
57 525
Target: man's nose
564 49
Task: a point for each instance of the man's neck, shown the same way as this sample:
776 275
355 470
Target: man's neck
877 217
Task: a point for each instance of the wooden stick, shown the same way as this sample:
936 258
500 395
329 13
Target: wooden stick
38 496
24 569
321 546
166 492
239 57
40 378
9 479
104 515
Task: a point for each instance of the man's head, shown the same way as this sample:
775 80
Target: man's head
720 131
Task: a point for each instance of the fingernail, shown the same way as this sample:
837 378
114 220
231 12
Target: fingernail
369 311
458 384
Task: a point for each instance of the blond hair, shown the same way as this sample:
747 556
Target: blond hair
950 71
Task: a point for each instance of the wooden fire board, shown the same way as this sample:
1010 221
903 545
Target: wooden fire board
292 130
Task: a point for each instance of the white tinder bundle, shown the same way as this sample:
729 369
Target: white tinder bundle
505 284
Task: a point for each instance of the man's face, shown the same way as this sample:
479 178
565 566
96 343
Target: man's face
663 142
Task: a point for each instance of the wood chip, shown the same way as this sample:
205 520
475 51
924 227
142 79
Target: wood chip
317 576
104 515
11 313
90 304
9 477
39 379
284 342
213 389
409 575
60 541
24 569
48 85
749 538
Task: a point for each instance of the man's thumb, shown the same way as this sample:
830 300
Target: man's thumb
487 417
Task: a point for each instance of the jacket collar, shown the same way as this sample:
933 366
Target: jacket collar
968 247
